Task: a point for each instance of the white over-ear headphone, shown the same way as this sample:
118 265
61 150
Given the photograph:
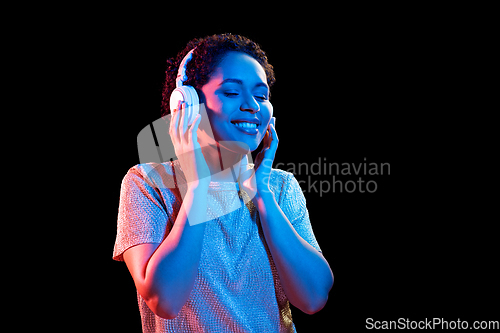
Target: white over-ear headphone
185 93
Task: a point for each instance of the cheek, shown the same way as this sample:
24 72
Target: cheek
267 112
213 105
218 114
218 109
214 110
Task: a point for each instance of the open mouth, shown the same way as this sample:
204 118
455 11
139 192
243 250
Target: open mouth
246 127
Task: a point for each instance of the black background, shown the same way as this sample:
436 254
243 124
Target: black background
348 87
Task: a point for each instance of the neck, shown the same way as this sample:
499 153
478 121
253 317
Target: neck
224 164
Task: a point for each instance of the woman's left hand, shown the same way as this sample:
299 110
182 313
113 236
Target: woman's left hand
256 181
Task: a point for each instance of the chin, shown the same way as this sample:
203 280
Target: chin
239 147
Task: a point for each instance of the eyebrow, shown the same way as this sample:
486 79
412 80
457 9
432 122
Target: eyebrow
238 81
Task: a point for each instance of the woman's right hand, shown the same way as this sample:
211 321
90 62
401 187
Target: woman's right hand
187 148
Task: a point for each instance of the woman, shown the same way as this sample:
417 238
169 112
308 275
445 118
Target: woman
220 249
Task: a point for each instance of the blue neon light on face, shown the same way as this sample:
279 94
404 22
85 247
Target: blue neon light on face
237 101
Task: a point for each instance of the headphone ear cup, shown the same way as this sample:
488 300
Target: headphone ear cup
189 95
193 103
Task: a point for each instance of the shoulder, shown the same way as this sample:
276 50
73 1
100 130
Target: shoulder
156 175
280 176
282 182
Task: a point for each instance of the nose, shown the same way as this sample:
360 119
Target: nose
250 105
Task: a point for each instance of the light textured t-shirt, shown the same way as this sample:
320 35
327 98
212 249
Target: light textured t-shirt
237 288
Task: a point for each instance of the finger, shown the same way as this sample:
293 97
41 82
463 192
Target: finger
193 130
185 121
274 134
261 156
265 140
182 123
174 123
268 136
273 146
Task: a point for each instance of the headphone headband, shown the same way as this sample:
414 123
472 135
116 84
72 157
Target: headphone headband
181 73
186 94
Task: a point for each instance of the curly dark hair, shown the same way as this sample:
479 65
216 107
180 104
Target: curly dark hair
208 54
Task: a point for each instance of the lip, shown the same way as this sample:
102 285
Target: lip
250 131
247 120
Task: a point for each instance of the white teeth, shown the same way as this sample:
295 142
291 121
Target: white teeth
246 125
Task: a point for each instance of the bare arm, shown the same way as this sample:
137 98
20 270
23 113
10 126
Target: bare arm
304 273
164 274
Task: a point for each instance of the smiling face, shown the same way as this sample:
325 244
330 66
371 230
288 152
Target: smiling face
237 102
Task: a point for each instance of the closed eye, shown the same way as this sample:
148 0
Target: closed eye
233 94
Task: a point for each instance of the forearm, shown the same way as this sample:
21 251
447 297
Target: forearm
172 269
304 273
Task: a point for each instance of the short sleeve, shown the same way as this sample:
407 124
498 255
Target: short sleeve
142 217
293 204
